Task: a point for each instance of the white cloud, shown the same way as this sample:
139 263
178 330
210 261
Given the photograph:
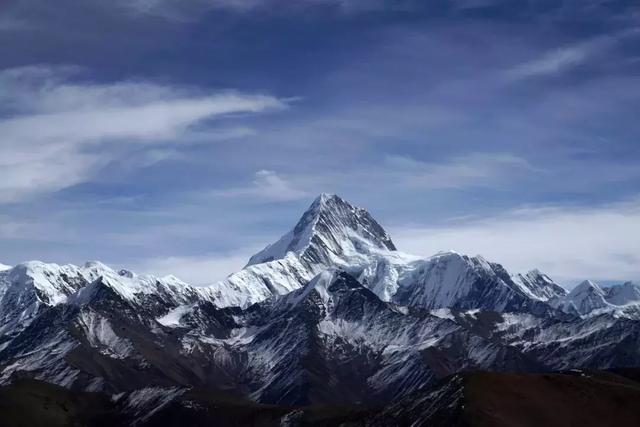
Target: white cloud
570 244
472 170
55 134
180 9
140 123
273 187
185 11
551 62
563 58
267 185
198 270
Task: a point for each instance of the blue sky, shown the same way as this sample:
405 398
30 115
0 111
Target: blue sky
182 136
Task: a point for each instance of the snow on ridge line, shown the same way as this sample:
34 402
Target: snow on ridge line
589 298
384 272
623 294
295 240
348 239
58 284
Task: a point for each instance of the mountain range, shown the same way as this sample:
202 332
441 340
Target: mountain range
330 315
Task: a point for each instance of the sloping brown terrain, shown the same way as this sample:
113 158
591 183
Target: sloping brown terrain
477 399
489 399
30 403
574 399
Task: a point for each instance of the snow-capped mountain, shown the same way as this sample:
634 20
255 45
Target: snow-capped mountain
624 294
334 234
588 299
538 285
280 351
451 280
330 313
334 327
583 299
330 231
29 288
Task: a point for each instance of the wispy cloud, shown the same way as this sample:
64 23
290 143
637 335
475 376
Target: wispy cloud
569 243
54 128
471 170
187 11
565 58
267 185
551 62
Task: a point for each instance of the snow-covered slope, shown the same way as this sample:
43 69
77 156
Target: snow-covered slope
589 299
458 281
334 339
258 282
29 287
334 234
624 294
603 340
330 231
583 299
538 285
4 267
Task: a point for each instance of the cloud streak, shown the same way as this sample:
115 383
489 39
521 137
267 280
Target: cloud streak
471 170
56 136
550 63
267 186
186 11
564 58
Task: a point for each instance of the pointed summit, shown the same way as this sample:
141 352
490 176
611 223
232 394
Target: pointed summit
538 285
329 230
587 287
583 299
627 293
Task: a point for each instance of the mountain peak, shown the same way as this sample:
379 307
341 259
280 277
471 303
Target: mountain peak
587 286
325 198
330 229
623 294
538 285
96 265
583 299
